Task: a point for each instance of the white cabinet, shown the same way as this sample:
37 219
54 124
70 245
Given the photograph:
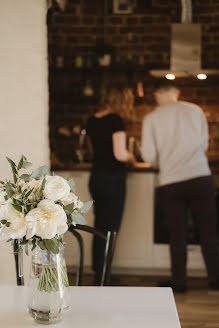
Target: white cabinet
134 244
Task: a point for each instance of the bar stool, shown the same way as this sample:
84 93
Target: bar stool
110 241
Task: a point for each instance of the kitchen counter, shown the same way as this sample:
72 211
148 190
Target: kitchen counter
139 167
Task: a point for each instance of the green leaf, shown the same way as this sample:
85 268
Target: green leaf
41 171
52 245
26 249
24 242
78 218
8 224
14 169
17 207
41 244
23 163
33 247
86 207
28 207
11 162
72 185
29 192
9 190
4 221
25 177
17 202
69 220
43 184
26 164
69 208
20 164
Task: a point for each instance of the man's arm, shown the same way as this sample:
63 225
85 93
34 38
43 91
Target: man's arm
148 144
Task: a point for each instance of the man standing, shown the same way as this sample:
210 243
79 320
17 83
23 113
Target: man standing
175 139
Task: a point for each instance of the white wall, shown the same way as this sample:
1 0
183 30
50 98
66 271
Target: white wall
23 91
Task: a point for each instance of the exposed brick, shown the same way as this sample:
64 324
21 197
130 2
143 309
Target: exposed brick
88 20
147 19
132 21
115 20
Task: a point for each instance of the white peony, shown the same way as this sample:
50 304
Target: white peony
47 220
18 224
56 188
72 198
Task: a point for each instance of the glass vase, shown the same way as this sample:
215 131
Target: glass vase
48 291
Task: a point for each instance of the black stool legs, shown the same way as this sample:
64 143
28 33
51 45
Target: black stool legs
108 257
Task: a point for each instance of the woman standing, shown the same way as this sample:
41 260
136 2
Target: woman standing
108 177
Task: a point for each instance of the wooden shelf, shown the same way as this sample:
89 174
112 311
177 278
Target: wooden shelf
109 69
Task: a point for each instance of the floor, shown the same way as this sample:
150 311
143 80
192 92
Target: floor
198 308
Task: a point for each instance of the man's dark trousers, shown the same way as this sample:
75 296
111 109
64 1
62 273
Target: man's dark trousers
175 199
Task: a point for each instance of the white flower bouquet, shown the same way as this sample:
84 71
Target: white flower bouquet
38 208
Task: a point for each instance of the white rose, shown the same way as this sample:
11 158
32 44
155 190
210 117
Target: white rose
72 198
2 197
56 188
18 224
47 220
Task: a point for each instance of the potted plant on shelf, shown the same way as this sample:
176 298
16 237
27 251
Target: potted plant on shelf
104 53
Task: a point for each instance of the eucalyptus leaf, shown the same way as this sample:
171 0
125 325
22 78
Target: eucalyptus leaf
78 218
52 245
86 207
26 164
41 171
72 185
25 177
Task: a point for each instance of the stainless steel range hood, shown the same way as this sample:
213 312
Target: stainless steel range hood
185 56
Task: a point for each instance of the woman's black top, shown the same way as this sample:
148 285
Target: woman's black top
100 130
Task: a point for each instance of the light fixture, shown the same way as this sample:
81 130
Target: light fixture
202 76
170 76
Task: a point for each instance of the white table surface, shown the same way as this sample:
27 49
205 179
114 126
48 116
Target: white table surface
98 307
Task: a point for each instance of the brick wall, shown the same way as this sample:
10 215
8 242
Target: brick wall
142 42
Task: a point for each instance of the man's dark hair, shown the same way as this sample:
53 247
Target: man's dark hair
164 84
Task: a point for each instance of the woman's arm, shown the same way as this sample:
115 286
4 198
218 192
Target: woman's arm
119 148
